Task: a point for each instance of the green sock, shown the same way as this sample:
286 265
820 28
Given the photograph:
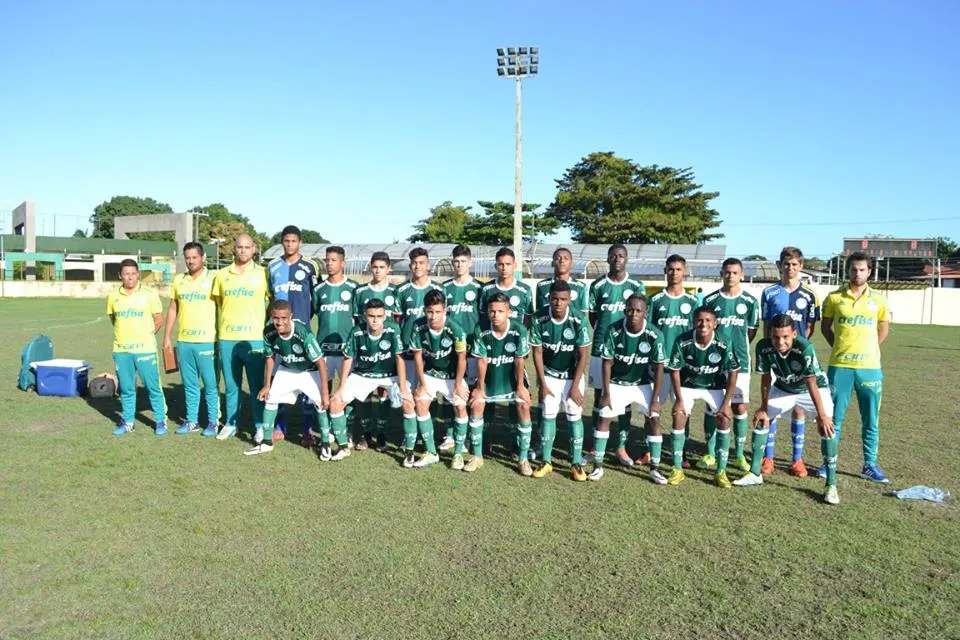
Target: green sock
426 432
829 446
524 434
655 445
459 436
710 434
600 438
678 439
548 433
623 434
576 441
339 425
723 449
446 411
409 431
740 429
757 445
269 419
476 436
323 423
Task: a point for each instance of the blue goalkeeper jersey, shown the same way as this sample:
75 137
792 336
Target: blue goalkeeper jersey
295 284
801 305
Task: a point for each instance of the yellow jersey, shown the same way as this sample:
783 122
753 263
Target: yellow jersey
856 344
242 299
196 309
132 314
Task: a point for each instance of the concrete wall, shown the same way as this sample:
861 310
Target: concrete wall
180 223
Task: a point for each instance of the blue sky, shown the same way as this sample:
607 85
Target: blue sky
356 118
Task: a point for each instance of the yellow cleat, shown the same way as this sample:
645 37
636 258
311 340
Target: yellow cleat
543 471
676 477
473 464
578 474
722 481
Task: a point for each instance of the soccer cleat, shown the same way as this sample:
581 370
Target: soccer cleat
830 496
524 468
577 473
587 457
382 442
596 474
543 471
123 429
331 439
749 480
361 444
426 460
707 463
822 471
676 477
187 427
342 452
325 454
721 480
457 463
473 464
210 431
263 447
741 464
278 434
799 469
349 442
624 458
258 435
643 460
409 459
657 477
306 439
872 472
447 444
227 431
685 464
766 467
161 429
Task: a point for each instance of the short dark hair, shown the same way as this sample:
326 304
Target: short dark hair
732 261
129 262
614 247
860 256
416 252
676 257
560 286
193 245
505 251
380 256
562 250
434 297
374 303
335 248
637 296
705 309
781 321
290 230
461 250
280 305
498 298
791 252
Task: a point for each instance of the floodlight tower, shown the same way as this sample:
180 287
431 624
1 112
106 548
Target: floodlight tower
517 63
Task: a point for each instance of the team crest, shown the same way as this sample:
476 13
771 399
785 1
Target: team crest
509 347
299 275
389 300
568 333
446 343
385 345
796 366
801 303
871 305
627 293
741 308
573 294
514 301
714 358
685 308
345 295
644 347
470 296
297 349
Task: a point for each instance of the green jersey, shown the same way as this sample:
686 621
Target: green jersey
560 341
387 294
298 351
410 299
634 354
608 301
373 356
578 295
519 295
702 367
438 348
333 305
736 315
792 369
672 315
463 304
501 352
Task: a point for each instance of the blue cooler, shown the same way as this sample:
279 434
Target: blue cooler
61 377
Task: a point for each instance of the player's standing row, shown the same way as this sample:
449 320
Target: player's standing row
241 288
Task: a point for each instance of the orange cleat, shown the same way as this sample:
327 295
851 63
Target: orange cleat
766 467
799 469
277 435
644 459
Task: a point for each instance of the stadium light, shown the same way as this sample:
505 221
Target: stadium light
517 64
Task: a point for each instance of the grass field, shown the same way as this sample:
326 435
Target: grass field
185 537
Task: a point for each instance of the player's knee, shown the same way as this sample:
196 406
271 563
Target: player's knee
423 407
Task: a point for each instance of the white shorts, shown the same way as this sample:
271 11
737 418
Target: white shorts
781 402
444 387
334 367
622 396
560 392
287 385
712 397
742 391
595 373
359 387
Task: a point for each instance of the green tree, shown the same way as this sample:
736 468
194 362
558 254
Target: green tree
756 256
105 213
307 236
79 233
495 225
947 248
445 224
217 222
605 199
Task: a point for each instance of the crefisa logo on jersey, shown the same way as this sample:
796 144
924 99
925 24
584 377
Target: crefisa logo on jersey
471 296
685 308
385 344
509 347
714 358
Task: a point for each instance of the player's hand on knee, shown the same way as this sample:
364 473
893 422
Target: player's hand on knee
478 397
678 409
576 395
523 394
825 427
761 418
605 401
264 392
725 412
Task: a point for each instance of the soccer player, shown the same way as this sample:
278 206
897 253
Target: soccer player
518 294
633 359
671 312
300 369
463 306
242 293
134 312
798 301
500 349
738 317
293 278
375 411
608 299
855 324
799 381
372 360
703 368
333 305
439 348
560 339
562 263
194 311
